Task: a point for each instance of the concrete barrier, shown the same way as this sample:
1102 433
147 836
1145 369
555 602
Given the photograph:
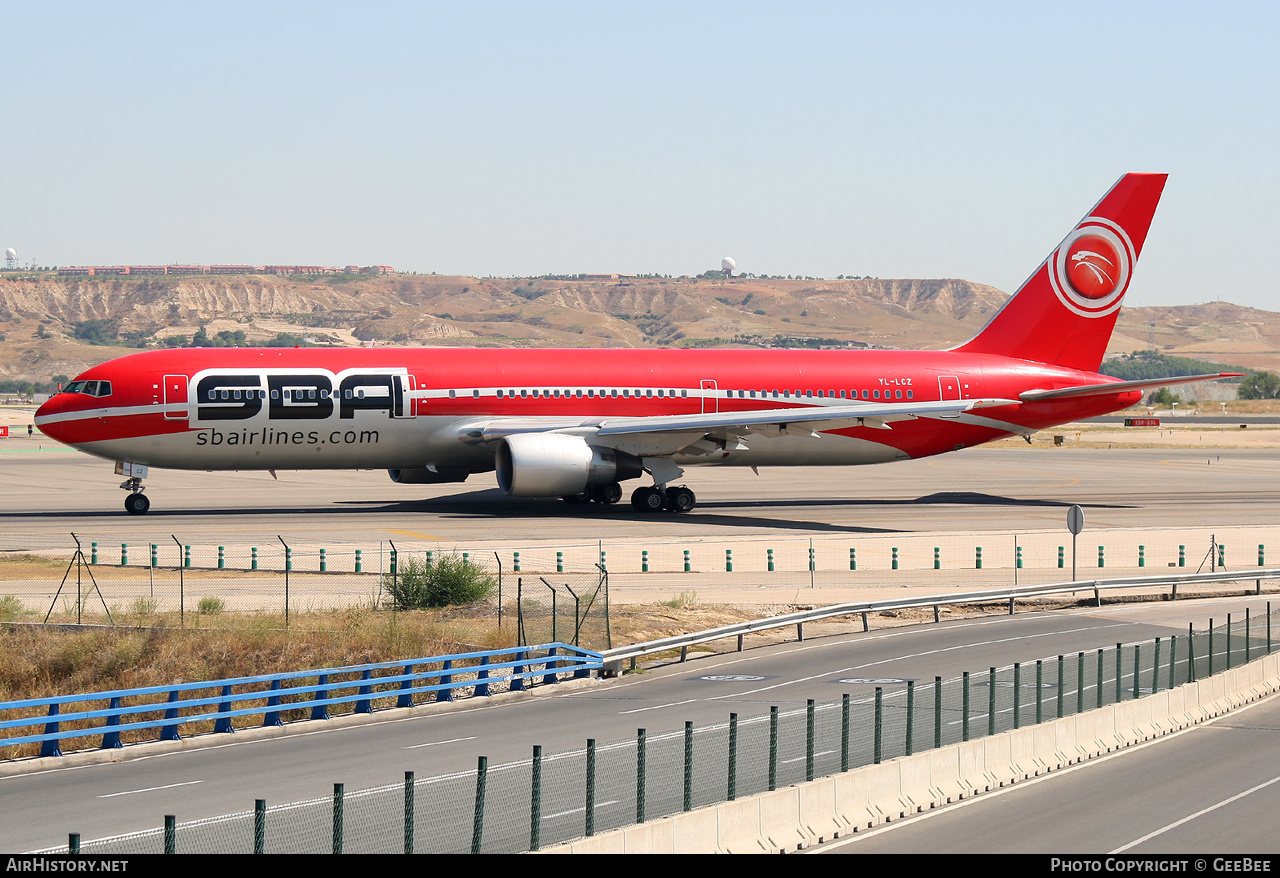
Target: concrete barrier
798 816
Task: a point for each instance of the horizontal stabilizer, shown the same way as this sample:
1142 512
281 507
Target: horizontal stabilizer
1120 386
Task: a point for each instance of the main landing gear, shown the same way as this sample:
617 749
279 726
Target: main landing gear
656 499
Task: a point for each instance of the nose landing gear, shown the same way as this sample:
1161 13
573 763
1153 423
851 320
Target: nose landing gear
137 502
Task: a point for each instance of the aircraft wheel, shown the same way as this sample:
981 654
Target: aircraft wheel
136 504
648 499
680 499
607 495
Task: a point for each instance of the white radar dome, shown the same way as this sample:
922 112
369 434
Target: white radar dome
728 264
11 254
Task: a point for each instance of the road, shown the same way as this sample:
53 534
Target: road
39 808
1210 789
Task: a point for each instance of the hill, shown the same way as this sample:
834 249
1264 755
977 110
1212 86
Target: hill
41 315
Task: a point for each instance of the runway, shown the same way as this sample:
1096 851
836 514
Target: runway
984 489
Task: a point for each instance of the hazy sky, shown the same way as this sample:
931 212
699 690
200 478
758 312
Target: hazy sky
892 139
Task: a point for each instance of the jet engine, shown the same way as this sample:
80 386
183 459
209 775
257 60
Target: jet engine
556 465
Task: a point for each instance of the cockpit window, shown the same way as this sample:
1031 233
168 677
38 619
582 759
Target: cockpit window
89 388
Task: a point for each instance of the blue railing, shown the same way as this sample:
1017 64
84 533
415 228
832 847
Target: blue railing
269 695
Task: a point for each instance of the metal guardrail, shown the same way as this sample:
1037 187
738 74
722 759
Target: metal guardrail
271 694
614 658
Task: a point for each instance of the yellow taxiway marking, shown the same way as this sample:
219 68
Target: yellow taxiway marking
415 535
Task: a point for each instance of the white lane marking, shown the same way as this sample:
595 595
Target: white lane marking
656 707
1174 825
581 810
434 743
171 786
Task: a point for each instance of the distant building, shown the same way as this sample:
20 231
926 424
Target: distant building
91 270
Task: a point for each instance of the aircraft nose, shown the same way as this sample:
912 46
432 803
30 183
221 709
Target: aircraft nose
44 416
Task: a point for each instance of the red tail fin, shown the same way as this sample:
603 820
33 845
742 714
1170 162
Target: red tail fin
1064 313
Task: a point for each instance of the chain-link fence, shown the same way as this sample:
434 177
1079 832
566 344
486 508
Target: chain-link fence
44 575
565 607
546 800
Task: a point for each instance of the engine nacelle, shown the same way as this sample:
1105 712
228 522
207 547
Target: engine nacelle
556 465
437 476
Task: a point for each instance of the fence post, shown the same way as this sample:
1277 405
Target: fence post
535 799
446 680
773 747
591 788
49 747
477 818
338 796
688 765
259 826
964 713
844 732
408 812
170 834
911 714
809 739
223 724
640 774
1062 685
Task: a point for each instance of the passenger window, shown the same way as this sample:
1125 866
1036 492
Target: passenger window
897 394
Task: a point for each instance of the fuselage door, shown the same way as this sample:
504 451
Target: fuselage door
175 394
710 396
949 387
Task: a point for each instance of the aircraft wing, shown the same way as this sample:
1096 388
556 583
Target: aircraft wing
820 417
777 420
1120 386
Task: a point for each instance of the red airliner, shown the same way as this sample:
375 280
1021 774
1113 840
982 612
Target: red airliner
577 423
